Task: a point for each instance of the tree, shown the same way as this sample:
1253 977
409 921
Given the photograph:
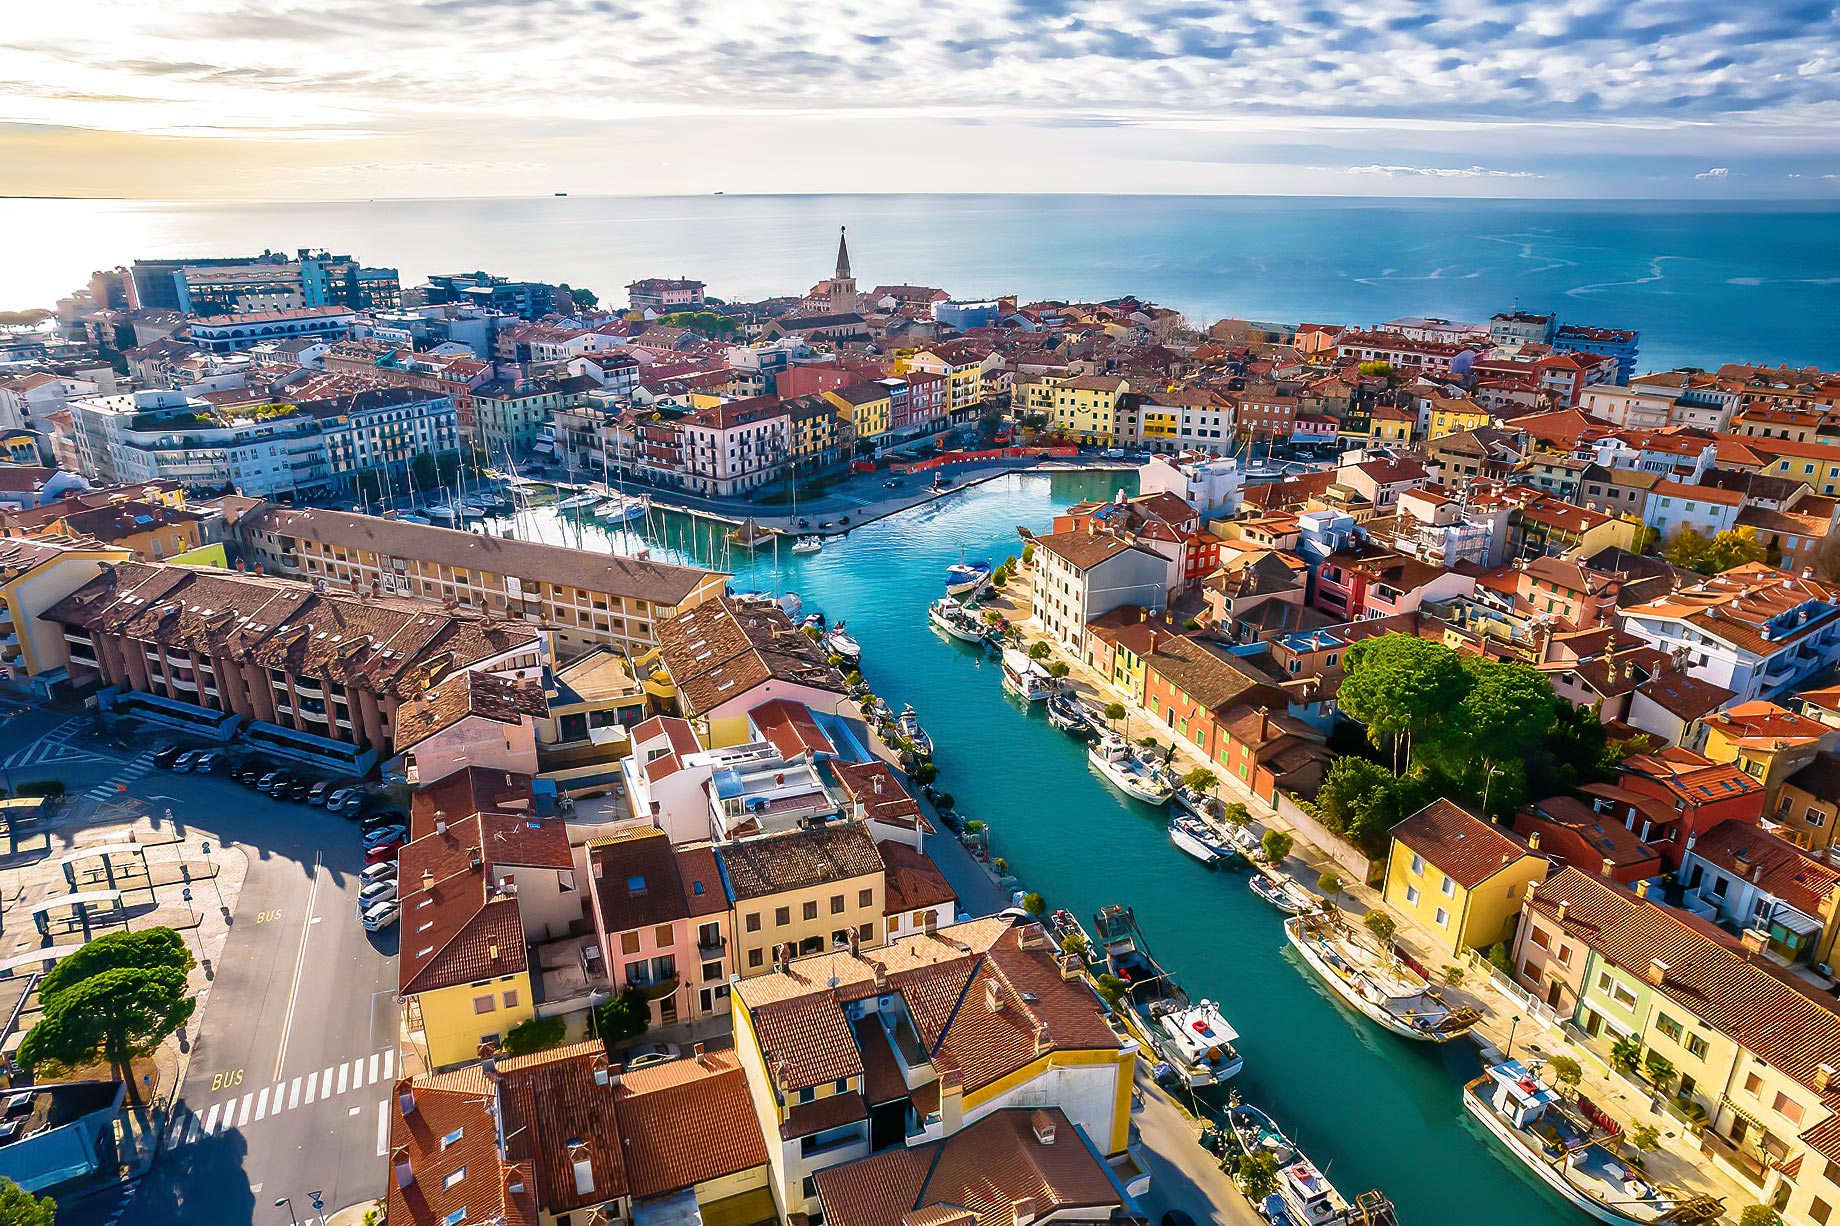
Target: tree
1258 1175
1028 552
19 1207
585 298
1115 711
1201 781
149 949
1039 650
1234 813
1567 1070
1759 1215
1453 976
1659 1068
117 1015
1686 548
1035 904
1110 989
626 1016
1626 1053
1361 800
1501 959
534 1034
1329 883
1060 668
1276 845
1402 688
1734 547
1507 711
1381 925
1645 1136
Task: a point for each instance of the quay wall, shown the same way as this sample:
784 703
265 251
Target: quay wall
1325 840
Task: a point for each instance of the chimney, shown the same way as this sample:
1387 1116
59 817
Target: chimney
514 1180
405 1096
1533 840
602 1071
1264 724
427 878
855 944
993 996
1070 966
931 922
1641 886
1565 905
951 1097
1031 936
1022 1211
700 1054
1755 940
1657 971
1607 867
878 785
399 1161
492 950
1757 871
1043 1040
1824 1075
440 821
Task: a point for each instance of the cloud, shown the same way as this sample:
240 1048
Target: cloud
1442 172
1717 172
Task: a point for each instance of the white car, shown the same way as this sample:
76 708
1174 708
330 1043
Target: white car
380 915
378 872
376 892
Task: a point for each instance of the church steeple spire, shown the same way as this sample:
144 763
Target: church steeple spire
843 256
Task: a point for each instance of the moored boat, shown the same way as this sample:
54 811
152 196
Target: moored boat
1376 983
1187 834
750 535
1282 892
1198 1040
964 578
1068 713
1534 1124
1071 936
808 544
911 729
956 620
578 502
620 509
442 513
1026 678
839 642
1125 769
1126 955
1199 804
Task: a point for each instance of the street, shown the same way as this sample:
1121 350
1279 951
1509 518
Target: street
293 1053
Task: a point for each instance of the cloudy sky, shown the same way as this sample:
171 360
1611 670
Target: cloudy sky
350 98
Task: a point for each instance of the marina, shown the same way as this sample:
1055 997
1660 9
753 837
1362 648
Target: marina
1121 765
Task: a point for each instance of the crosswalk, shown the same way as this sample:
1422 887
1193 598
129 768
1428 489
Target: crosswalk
254 1106
127 773
54 748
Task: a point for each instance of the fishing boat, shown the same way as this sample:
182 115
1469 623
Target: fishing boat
808 544
1026 678
1376 983
956 620
1569 1154
1197 804
1126 955
1198 1040
1125 769
578 502
911 729
1189 835
964 578
1069 715
839 642
813 621
1282 892
1071 936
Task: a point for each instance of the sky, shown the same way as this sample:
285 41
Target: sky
342 99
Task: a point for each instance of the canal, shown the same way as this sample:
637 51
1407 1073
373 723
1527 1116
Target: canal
1376 1111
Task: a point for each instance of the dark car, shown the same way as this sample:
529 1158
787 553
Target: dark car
167 754
269 780
320 791
277 785
296 790
383 817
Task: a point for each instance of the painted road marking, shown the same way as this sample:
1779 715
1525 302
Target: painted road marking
210 1121
375 1061
248 1101
262 1104
383 1127
312 1080
300 961
389 1061
256 1106
343 1070
294 1095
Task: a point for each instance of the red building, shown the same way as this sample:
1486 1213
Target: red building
1670 797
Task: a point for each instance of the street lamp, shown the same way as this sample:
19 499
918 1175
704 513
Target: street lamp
281 1201
1486 781
1513 1023
197 936
205 849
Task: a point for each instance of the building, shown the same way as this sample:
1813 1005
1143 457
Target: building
1673 507
665 295
662 918
1807 806
1573 834
149 530
723 658
1088 408
856 1051
235 333
1521 328
803 892
1673 795
869 410
1081 574
464 973
1748 879
1461 879
1769 743
508 416
737 446
374 438
584 599
319 676
962 366
262 450
1752 1049
1623 344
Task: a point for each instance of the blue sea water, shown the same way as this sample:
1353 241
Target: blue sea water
1703 283
1377 1111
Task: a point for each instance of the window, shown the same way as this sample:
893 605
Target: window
865 898
866 934
754 958
635 885
1538 937
1668 1026
836 904
1615 990
1418 866
753 921
1412 894
453 1177
452 1137
1443 918
1818 1211
808 1094
1696 1046
1788 1108
511 1000
661 936
1752 1084
456 1217
1449 887
782 916
811 909
629 942
484 1004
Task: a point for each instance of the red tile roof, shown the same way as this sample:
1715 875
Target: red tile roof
687 1121
1466 847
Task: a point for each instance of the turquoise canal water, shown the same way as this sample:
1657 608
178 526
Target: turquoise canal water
1375 1110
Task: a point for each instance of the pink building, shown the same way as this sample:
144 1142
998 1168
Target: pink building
661 915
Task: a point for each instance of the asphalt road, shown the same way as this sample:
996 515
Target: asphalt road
294 1053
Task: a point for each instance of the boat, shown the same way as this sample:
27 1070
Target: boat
1569 1154
1376 983
1126 955
1198 1040
1189 835
964 578
411 517
956 620
1070 936
1282 892
813 621
442 513
578 502
808 544
1125 769
1069 715
1307 1196
911 729
750 535
1026 678
620 509
1246 842
839 642
1197 804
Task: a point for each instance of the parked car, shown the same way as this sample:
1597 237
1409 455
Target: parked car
269 780
296 790
381 915
167 754
647 1054
383 853
251 771
384 834
322 791
378 872
185 761
209 762
375 892
283 781
383 817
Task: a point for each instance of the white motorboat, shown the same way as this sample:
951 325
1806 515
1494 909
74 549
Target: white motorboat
442 513
1568 1153
1307 1194
1069 714
411 517
578 502
620 509
839 642
1282 892
1125 769
964 578
1026 678
910 728
1199 1040
808 544
956 620
1376 983
1189 835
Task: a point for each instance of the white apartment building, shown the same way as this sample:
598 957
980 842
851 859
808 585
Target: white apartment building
735 447
261 450
384 429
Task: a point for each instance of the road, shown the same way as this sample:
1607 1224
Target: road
294 1052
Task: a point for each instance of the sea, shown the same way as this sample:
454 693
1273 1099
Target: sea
1373 1110
1703 283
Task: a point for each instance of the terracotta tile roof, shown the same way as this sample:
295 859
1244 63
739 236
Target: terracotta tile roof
1762 725
798 859
1685 697
1690 776
1739 606
1776 865
457 931
465 792
525 841
1084 550
1018 1156
723 648
1466 847
913 880
704 893
508 700
554 1114
1606 836
791 729
875 787
687 1121
1789 1024
449 1132
831 1111
635 881
1210 678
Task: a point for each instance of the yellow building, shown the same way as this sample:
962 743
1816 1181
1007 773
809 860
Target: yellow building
1461 879
19 447
1450 416
36 573
962 367
809 891
962 1021
1086 407
1769 743
866 406
465 970
153 531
